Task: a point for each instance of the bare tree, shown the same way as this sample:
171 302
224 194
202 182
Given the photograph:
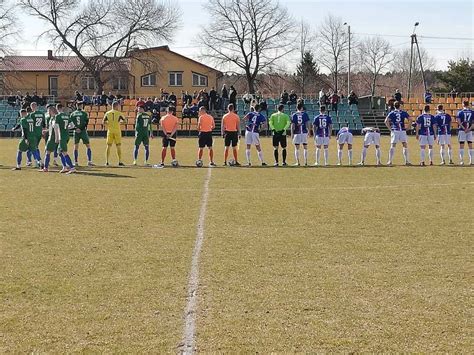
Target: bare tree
333 43
250 35
375 56
8 29
401 65
101 33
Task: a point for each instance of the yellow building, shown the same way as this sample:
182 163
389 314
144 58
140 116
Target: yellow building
143 75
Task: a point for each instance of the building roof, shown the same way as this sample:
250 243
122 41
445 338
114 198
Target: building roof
68 63
43 64
167 48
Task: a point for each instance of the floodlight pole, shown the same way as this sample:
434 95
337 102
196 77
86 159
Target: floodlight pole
421 64
411 66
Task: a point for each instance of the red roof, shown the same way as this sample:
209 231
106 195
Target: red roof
42 63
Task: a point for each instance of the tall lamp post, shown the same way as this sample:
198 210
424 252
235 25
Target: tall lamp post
349 60
414 42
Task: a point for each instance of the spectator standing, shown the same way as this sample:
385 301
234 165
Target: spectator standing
428 97
11 100
293 98
322 98
164 95
212 99
35 98
284 98
19 98
110 98
140 103
172 99
103 99
334 100
321 94
454 93
225 97
149 105
398 96
233 96
353 101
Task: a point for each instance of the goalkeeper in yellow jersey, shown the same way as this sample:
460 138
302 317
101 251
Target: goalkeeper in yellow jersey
113 119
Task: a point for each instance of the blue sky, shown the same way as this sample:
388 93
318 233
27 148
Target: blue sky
438 18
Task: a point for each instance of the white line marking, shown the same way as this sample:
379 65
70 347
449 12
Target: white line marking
187 345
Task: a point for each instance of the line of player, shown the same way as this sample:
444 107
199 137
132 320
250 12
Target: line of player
54 127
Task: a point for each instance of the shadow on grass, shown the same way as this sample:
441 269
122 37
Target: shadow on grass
105 175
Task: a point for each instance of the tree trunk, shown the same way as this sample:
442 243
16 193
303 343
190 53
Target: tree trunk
374 80
98 83
251 84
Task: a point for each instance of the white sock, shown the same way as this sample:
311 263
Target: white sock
318 153
441 153
326 155
450 154
260 156
297 156
339 156
378 155
430 154
461 154
305 156
422 155
349 153
247 154
471 155
390 154
364 155
405 155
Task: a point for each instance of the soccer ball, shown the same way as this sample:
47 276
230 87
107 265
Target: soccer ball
174 163
232 162
199 163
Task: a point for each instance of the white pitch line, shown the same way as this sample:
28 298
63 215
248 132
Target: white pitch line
188 343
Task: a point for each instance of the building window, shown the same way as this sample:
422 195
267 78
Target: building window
175 78
120 83
199 80
149 80
88 83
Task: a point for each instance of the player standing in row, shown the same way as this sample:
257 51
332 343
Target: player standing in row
371 136
169 125
53 136
40 122
80 119
426 132
395 122
344 136
443 120
279 123
142 135
113 119
206 125
48 118
62 121
299 133
322 128
254 120
28 141
230 130
466 123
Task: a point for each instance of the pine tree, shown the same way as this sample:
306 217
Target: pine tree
307 72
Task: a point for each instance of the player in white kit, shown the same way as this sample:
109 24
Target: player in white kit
443 120
465 119
426 132
371 137
344 136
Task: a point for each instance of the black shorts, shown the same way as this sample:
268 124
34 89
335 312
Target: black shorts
231 138
279 138
169 142
205 139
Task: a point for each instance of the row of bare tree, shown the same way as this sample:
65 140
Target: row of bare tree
246 37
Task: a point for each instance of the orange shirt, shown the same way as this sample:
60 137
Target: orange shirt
206 123
231 122
169 122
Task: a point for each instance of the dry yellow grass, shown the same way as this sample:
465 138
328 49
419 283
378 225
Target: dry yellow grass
307 259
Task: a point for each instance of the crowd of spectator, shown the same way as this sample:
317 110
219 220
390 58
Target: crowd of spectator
25 101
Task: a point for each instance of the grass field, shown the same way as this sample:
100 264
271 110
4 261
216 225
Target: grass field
344 259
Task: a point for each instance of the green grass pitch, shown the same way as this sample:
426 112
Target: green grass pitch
338 259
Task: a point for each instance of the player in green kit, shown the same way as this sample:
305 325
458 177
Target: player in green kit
63 122
80 119
40 122
53 132
29 141
142 134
